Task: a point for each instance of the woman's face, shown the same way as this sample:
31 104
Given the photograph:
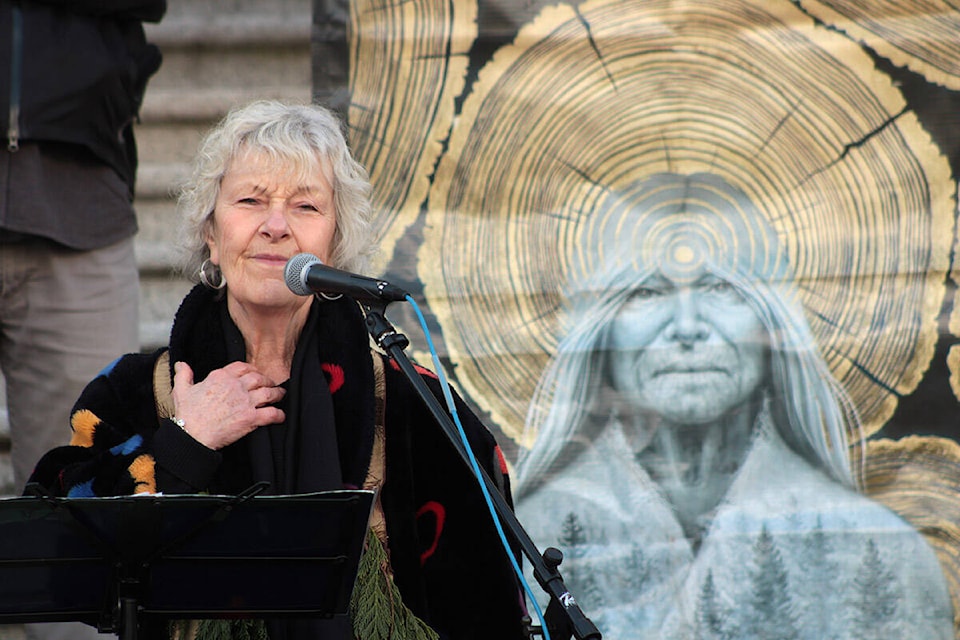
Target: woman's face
689 352
265 215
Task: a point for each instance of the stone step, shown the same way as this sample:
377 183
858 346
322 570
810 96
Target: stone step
159 180
160 296
226 29
156 241
221 22
203 106
173 121
251 68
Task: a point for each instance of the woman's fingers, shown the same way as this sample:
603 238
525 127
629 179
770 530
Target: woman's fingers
182 374
228 404
269 415
261 396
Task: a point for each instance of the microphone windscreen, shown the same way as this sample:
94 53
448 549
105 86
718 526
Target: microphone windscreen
295 271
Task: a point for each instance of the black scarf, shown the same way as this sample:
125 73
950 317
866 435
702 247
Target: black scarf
327 439
300 455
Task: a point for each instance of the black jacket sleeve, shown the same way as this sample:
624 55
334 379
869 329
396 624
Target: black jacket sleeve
143 10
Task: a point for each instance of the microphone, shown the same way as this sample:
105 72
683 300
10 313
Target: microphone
306 274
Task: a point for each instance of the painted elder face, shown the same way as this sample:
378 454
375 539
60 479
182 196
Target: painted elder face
689 349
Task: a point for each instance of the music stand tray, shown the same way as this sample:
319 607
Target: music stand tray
107 561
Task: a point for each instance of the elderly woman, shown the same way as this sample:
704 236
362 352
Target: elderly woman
270 386
692 457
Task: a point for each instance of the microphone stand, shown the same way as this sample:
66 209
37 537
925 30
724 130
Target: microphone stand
563 616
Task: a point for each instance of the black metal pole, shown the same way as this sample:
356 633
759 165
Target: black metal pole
544 569
129 624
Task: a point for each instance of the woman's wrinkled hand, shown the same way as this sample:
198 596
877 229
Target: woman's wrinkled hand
227 405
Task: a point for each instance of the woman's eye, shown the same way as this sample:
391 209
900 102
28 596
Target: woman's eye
719 287
642 301
644 293
723 292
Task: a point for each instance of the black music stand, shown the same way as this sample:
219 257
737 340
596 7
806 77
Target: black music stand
111 562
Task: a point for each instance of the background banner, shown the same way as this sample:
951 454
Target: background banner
694 262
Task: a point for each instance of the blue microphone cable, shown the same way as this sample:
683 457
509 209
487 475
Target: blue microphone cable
448 397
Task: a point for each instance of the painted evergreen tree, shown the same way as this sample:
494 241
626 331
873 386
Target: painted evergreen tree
582 583
817 568
816 552
873 598
712 617
571 542
769 614
571 532
588 592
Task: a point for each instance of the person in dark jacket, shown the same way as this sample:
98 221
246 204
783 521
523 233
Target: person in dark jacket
72 78
266 385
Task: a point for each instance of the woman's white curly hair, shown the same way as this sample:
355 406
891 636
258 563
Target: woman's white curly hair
304 139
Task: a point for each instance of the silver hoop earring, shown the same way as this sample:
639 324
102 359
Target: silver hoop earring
209 274
331 298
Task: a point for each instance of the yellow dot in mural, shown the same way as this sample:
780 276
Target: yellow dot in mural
683 255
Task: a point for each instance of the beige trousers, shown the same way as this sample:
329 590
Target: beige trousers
64 316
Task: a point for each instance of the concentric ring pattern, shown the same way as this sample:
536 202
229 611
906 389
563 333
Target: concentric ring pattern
539 182
918 34
407 65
